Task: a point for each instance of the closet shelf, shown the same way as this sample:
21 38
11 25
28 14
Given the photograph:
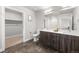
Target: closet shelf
12 22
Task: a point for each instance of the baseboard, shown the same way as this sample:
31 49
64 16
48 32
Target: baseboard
1 50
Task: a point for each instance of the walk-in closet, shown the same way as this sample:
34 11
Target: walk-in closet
13 27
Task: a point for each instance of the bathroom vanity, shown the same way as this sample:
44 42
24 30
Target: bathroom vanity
61 41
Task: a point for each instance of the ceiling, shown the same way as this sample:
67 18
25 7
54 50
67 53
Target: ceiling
47 9
40 8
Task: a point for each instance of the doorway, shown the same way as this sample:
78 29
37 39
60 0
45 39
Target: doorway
13 28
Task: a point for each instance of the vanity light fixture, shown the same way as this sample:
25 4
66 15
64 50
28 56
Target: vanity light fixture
30 18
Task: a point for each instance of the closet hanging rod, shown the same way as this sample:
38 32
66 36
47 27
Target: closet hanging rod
13 20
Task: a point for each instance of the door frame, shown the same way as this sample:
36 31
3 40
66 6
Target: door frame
3 28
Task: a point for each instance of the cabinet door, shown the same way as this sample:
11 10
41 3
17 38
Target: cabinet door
53 40
67 43
43 38
57 41
61 43
75 44
49 39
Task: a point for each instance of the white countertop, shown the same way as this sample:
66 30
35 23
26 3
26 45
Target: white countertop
74 33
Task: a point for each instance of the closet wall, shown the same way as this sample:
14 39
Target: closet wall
13 23
13 28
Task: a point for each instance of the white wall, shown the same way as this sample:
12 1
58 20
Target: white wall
29 26
76 18
12 15
39 20
51 22
0 28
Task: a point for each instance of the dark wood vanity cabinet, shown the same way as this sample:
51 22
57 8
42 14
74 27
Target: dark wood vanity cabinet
51 37
54 41
44 39
65 43
61 42
50 40
75 44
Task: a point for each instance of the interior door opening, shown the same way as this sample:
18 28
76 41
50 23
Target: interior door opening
13 28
